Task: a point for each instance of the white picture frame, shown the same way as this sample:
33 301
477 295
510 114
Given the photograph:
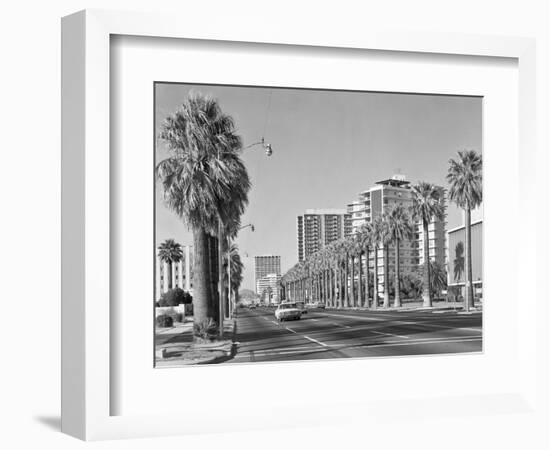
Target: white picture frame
86 244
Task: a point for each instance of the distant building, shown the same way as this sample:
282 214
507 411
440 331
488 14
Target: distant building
269 289
456 257
182 273
376 200
266 265
319 227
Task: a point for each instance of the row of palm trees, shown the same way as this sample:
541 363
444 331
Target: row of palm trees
329 275
205 182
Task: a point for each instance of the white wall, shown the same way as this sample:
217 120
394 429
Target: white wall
30 146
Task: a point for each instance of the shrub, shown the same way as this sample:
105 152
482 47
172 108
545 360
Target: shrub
179 317
207 329
165 321
172 297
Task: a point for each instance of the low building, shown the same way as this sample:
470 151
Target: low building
269 288
181 275
456 263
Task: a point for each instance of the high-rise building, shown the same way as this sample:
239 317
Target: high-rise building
317 228
378 199
181 273
266 265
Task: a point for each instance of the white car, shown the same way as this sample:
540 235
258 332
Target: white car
287 310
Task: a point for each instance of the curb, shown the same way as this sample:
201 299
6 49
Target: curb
226 355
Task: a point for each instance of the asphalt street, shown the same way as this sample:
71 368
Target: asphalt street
322 334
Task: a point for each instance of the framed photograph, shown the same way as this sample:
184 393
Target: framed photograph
291 213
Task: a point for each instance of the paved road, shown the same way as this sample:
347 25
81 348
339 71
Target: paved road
322 334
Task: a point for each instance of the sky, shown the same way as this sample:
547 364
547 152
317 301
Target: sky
327 147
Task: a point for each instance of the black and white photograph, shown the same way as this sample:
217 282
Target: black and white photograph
302 224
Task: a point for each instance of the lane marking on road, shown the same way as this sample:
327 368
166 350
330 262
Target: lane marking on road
316 341
275 322
282 352
339 325
291 330
390 334
265 318
267 353
354 317
433 325
419 342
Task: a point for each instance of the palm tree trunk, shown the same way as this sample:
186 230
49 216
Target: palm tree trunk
386 276
360 285
222 293
329 293
426 291
367 277
346 289
339 286
469 287
375 281
201 277
325 293
352 281
397 298
170 275
213 265
341 295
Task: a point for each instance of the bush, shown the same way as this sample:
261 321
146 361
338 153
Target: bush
179 317
207 329
165 321
175 297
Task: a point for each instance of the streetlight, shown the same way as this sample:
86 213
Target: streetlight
268 151
267 147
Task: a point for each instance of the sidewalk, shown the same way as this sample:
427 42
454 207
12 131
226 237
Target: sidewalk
178 349
418 306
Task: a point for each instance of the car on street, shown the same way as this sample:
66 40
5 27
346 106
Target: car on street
302 307
315 305
287 311
252 306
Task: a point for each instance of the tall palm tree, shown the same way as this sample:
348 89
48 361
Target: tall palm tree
351 263
233 273
358 252
205 182
438 276
170 252
427 205
343 273
376 238
330 258
385 240
400 229
366 238
466 190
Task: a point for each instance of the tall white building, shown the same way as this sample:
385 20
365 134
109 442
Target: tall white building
265 265
376 200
